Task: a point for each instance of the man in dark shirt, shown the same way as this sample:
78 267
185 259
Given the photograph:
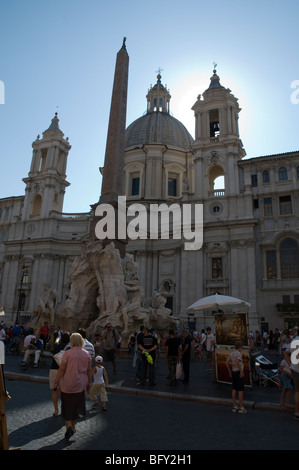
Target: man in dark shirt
148 346
139 339
186 355
172 354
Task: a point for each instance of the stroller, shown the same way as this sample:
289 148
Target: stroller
13 345
267 372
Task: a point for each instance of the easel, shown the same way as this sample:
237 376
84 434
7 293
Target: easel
3 425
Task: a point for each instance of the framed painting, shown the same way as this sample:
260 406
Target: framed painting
230 328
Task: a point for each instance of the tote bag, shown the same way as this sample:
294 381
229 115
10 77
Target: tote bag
178 370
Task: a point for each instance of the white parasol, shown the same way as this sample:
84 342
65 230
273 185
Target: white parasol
218 302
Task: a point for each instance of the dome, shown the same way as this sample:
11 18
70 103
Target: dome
158 128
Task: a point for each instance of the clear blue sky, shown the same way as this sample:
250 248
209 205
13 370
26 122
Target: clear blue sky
62 53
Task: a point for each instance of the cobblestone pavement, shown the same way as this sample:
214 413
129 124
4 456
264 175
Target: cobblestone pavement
147 418
144 423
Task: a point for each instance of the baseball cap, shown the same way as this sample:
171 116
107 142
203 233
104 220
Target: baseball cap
99 359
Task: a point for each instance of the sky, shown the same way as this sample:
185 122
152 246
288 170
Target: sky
59 56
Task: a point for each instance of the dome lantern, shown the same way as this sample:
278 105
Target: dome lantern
158 97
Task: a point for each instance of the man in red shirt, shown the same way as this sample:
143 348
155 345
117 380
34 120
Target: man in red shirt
44 333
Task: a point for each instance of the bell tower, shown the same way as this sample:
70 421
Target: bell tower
46 181
217 144
216 114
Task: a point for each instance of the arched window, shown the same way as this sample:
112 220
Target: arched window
289 258
42 163
214 123
282 174
217 180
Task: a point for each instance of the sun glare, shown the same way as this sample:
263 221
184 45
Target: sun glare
183 96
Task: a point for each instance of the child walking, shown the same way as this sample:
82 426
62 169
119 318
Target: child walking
100 379
235 367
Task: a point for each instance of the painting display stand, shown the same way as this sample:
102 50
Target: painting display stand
230 328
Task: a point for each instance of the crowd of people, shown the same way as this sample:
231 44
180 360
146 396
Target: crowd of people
275 341
79 365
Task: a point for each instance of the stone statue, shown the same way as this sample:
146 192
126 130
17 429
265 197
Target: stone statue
159 301
133 309
105 288
47 305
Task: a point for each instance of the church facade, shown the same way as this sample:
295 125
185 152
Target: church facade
250 223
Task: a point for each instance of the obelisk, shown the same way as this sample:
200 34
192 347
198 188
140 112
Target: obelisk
113 179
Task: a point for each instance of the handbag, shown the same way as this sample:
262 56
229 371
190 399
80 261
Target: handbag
58 356
178 370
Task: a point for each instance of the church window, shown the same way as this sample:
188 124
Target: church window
282 174
0 213
285 205
266 176
135 186
271 264
172 186
297 171
268 207
289 258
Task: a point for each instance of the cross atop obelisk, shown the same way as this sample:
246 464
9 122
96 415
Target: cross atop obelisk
112 183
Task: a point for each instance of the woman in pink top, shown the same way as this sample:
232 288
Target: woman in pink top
73 379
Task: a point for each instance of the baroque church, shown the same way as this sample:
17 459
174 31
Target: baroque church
250 244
